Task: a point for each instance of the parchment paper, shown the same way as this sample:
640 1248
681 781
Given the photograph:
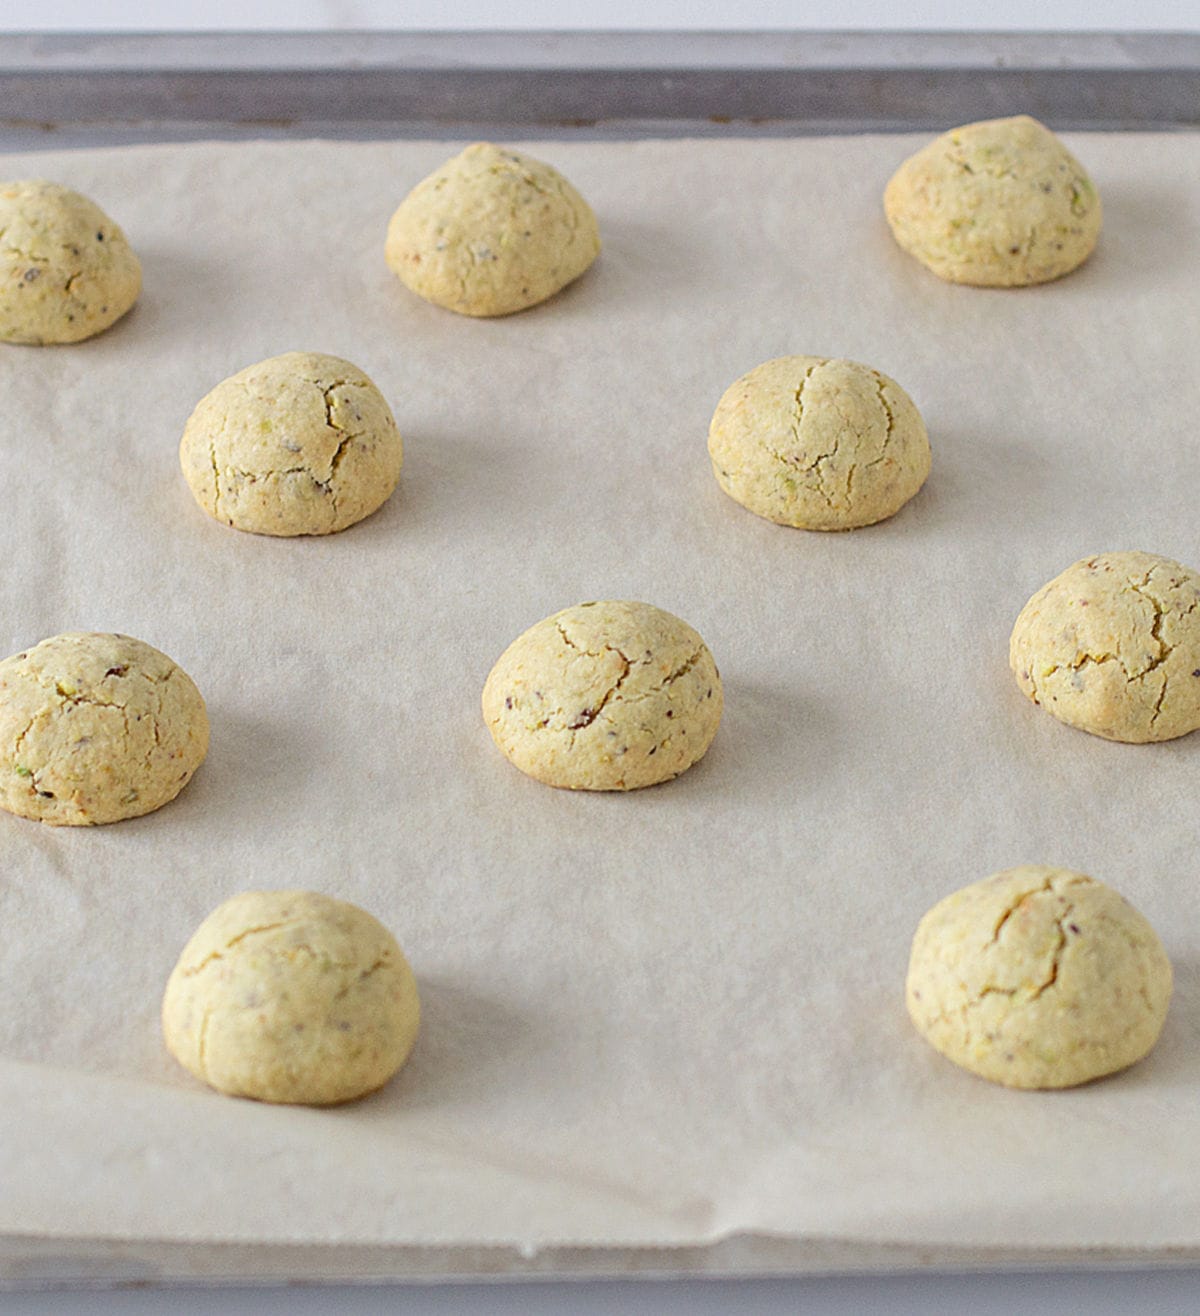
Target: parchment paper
654 1019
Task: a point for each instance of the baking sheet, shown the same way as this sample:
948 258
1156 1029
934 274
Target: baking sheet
661 1019
104 89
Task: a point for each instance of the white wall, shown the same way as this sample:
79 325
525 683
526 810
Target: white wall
176 15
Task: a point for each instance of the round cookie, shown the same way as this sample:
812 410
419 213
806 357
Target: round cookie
96 728
997 204
604 696
491 232
66 270
1112 646
1038 978
291 996
299 444
818 444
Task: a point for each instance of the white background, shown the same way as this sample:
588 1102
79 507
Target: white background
294 15
1164 1291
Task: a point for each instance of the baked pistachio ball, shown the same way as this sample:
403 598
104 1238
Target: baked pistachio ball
95 728
607 696
1038 977
1112 646
491 232
299 444
293 997
67 271
1001 203
818 444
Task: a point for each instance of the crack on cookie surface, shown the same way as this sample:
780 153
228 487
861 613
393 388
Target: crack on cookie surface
590 712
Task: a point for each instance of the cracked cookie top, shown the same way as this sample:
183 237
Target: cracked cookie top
1038 977
998 204
491 232
1112 646
291 996
299 444
66 270
818 444
604 696
96 728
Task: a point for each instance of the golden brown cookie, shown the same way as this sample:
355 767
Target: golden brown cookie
291 996
604 696
1038 977
491 232
66 270
1112 646
299 444
96 728
818 444
1001 204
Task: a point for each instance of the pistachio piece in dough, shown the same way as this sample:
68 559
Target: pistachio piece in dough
604 696
299 444
291 996
67 271
818 444
1038 977
96 728
1112 646
491 232
1001 204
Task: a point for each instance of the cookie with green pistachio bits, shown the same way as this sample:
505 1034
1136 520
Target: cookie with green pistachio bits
492 231
1001 203
299 444
1112 646
67 271
818 444
95 728
1038 977
607 696
291 997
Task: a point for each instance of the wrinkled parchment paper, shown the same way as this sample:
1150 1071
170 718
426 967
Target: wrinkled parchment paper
661 1018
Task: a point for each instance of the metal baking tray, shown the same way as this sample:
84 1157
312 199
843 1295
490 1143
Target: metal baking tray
90 90
78 90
